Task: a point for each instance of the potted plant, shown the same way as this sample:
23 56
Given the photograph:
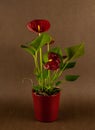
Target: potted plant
49 66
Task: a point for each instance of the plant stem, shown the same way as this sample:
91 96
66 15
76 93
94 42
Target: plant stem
36 61
62 69
54 75
36 65
40 58
48 48
41 66
57 75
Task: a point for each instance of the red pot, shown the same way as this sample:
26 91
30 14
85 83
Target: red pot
46 107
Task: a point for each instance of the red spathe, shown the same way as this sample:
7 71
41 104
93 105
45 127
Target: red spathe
38 25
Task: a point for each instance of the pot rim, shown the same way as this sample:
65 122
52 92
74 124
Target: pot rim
46 95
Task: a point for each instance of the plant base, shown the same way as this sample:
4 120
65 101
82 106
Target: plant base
46 107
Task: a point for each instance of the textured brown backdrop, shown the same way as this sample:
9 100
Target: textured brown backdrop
72 21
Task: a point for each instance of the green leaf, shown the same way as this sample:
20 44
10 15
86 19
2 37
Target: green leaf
57 83
30 50
70 65
71 77
74 52
45 57
40 41
56 50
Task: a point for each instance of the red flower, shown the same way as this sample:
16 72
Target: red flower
54 56
38 25
53 65
54 61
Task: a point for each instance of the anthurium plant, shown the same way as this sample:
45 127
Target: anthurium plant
51 64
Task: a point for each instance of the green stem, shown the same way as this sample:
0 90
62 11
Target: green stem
41 67
54 75
48 48
41 59
36 62
62 69
57 75
36 65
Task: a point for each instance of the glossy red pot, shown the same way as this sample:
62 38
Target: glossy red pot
46 107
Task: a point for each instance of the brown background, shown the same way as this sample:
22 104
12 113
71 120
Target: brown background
72 21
